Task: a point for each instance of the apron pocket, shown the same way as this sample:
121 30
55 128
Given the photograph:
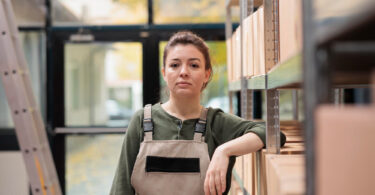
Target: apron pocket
172 165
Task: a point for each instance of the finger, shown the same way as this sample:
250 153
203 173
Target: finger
212 185
218 183
223 181
206 185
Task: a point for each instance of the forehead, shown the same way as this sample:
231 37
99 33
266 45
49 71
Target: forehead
184 51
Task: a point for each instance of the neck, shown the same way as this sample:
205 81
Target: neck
183 108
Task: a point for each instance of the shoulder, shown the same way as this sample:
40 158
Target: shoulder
139 114
218 114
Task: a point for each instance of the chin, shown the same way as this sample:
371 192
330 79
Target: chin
186 93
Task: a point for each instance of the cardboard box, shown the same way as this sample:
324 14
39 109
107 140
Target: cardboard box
345 156
256 46
229 59
290 20
249 173
246 46
262 58
285 174
236 45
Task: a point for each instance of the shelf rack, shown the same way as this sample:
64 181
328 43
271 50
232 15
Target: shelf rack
246 86
338 52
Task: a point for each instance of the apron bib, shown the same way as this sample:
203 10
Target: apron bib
171 167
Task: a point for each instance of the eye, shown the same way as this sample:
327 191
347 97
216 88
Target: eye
173 65
194 65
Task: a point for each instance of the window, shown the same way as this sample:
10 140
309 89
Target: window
99 12
91 162
103 83
33 44
206 11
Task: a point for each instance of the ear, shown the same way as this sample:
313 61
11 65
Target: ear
207 75
163 73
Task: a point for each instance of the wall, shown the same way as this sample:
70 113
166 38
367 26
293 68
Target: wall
13 176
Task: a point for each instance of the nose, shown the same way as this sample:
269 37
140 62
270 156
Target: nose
184 71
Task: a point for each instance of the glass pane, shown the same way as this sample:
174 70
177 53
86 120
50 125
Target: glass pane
29 13
216 93
100 12
91 161
33 44
285 105
193 11
103 83
164 95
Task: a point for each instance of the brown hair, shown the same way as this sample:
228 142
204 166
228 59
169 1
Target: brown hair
185 38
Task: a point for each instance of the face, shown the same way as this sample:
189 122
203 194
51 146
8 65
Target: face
184 71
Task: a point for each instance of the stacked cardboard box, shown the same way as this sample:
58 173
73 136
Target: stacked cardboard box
229 60
234 57
345 156
258 42
292 130
248 163
253 44
249 173
253 48
237 50
247 58
290 18
285 174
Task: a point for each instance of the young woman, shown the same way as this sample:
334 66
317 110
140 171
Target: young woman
180 147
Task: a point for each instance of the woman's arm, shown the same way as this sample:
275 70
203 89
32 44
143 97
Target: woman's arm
121 183
215 182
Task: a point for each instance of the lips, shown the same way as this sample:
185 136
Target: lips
187 83
183 83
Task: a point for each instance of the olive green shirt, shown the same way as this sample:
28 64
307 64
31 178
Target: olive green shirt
220 128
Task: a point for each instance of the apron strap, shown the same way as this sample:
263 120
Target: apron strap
148 127
200 126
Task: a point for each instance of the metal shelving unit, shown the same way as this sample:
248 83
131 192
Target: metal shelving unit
257 83
287 74
247 86
235 86
338 52
349 16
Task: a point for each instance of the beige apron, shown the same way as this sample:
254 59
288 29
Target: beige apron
171 167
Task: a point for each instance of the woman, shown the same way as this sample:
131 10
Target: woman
168 147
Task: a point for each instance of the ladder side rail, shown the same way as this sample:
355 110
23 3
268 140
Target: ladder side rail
13 98
40 128
31 140
20 57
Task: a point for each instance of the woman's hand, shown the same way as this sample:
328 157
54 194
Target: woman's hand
215 182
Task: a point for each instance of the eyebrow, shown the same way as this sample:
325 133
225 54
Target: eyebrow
190 59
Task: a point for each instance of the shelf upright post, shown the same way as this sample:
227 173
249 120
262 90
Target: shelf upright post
246 8
317 87
273 122
271 27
